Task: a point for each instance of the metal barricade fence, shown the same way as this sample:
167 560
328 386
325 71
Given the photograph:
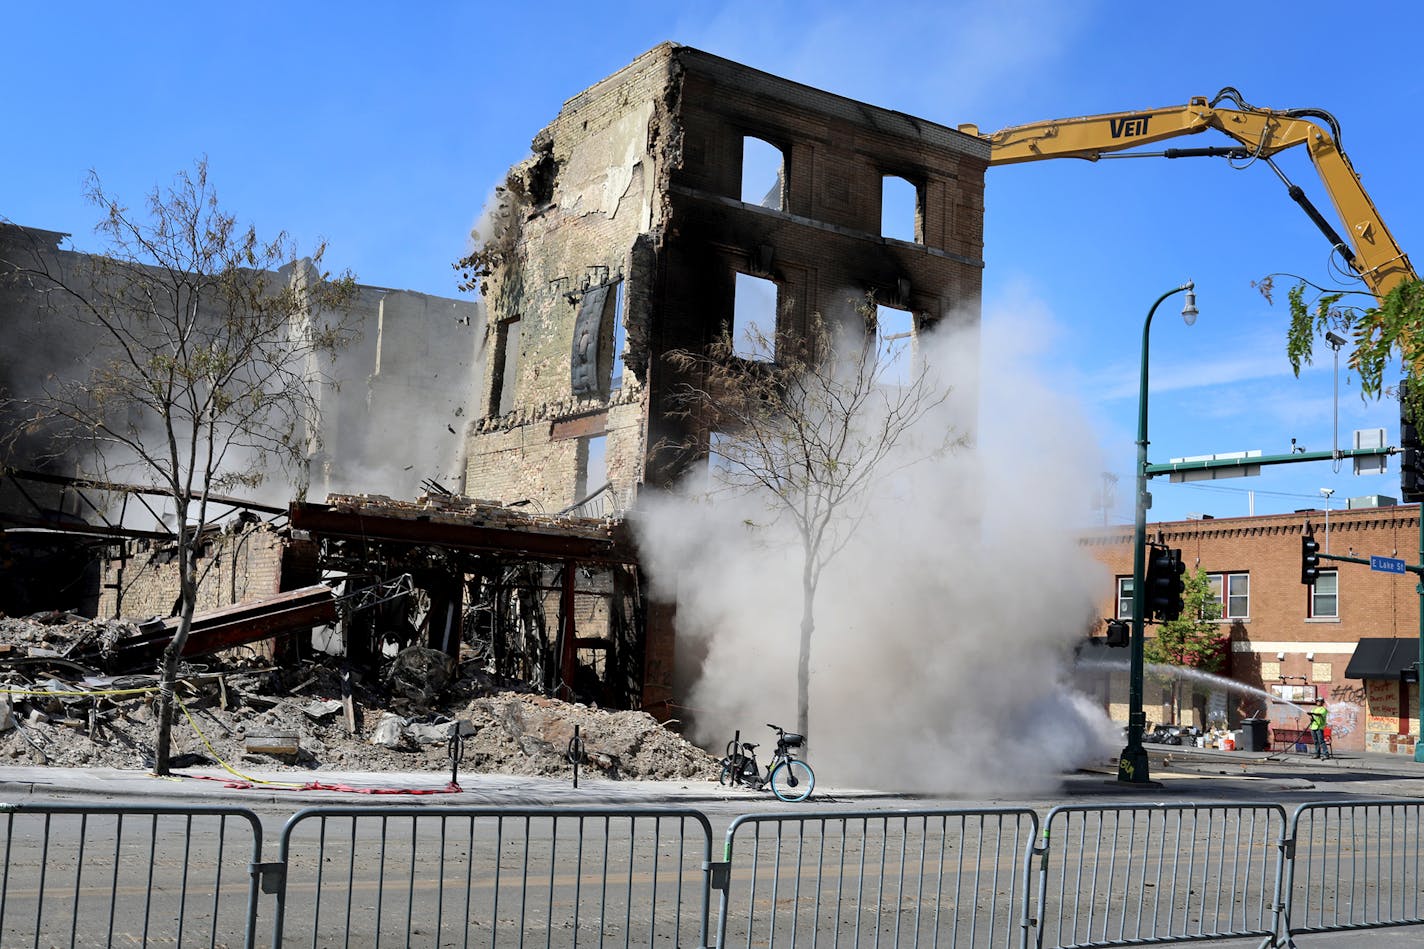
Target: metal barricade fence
1153 873
103 875
934 877
1355 866
493 876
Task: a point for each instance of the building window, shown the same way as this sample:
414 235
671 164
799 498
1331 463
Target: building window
1237 601
1325 596
620 337
763 173
894 345
901 210
1124 598
753 328
593 466
506 365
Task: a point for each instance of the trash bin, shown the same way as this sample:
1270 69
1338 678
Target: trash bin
1255 734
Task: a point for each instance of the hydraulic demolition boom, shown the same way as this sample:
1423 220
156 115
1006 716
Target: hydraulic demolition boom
1371 250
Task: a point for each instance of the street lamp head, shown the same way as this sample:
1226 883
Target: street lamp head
1189 309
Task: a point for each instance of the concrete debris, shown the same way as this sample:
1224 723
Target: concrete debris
322 709
390 731
247 715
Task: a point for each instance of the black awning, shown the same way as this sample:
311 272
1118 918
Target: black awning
1383 659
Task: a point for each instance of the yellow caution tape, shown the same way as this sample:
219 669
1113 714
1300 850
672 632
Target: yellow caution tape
225 766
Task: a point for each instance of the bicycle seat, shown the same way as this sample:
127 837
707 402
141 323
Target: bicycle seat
748 746
793 741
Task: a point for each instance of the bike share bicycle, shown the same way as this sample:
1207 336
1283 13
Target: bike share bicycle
790 778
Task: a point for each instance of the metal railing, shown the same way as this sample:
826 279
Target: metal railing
1093 876
1355 866
492 876
1158 873
938 877
96 875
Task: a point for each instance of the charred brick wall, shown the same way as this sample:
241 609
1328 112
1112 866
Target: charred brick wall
140 578
630 205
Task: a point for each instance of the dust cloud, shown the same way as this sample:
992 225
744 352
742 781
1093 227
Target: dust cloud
941 658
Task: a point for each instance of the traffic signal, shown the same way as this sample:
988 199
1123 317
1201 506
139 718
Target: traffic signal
1411 464
1164 583
1309 558
1118 633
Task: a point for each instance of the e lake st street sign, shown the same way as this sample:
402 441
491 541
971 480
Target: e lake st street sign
1387 564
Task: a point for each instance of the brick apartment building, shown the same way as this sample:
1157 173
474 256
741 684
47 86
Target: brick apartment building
1350 639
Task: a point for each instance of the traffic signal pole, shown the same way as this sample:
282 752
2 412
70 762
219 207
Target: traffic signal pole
1132 763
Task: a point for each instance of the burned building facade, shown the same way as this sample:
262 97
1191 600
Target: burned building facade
636 228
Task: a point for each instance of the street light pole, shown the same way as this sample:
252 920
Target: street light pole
1132 763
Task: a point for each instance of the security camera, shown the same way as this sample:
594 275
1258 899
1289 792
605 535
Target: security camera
1336 340
1280 657
1310 657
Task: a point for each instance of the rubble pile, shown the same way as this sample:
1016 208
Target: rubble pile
242 711
457 509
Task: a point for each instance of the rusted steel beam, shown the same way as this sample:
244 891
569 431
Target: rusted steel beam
235 625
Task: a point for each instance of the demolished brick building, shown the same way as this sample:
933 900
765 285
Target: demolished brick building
627 234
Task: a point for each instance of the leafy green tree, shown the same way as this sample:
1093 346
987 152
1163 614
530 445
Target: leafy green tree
1194 640
1380 329
207 354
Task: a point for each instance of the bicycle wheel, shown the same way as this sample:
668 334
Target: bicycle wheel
724 777
792 781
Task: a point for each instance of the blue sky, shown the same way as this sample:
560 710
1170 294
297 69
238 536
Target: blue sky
383 128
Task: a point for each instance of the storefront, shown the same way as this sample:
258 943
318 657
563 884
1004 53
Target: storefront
1390 672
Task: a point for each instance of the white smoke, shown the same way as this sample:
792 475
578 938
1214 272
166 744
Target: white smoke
941 654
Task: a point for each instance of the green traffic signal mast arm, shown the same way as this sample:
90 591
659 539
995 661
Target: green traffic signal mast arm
1371 250
1202 464
1416 569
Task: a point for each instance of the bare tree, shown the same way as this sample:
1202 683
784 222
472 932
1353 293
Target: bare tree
811 424
201 368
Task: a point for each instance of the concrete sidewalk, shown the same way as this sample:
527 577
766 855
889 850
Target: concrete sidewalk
300 788
1172 766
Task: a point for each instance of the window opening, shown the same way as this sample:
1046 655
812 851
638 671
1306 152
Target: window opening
1237 604
1325 595
763 173
507 336
900 216
593 472
620 338
894 345
754 318
1124 598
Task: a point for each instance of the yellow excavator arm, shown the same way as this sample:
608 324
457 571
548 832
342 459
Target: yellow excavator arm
1371 249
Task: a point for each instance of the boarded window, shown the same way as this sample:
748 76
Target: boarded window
506 365
895 345
754 318
900 209
763 173
589 332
